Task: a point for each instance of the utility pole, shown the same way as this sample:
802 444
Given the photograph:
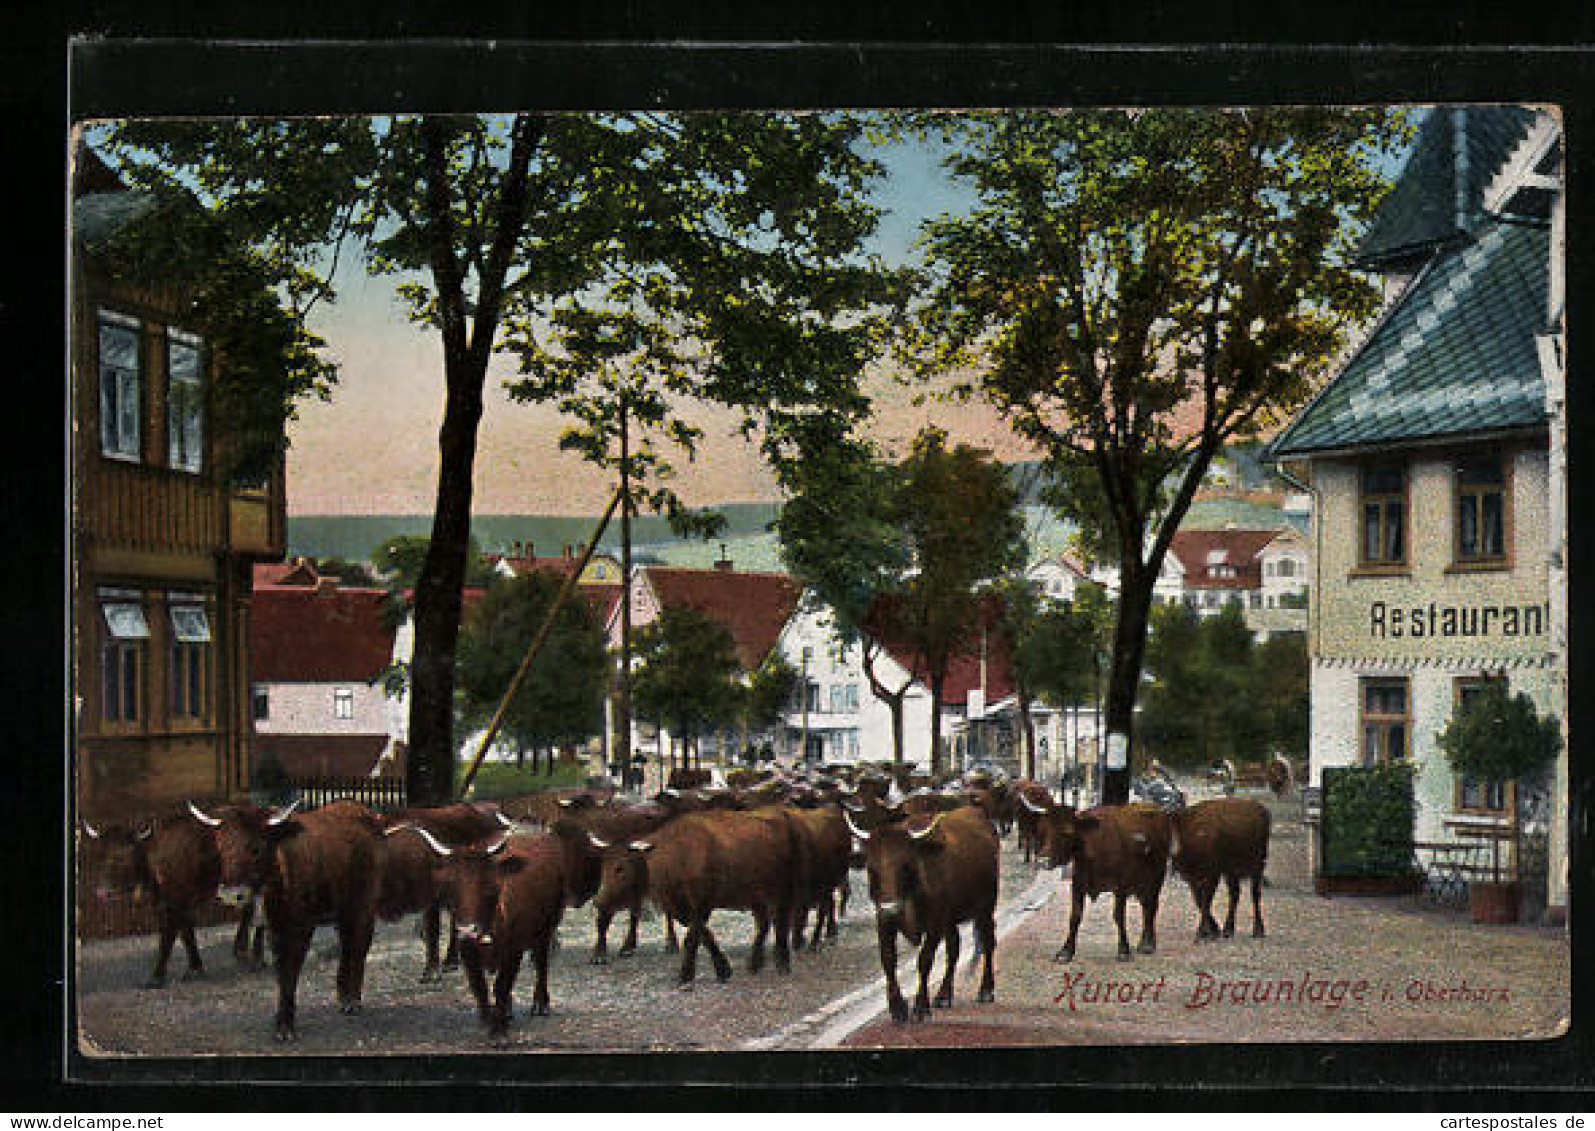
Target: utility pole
623 683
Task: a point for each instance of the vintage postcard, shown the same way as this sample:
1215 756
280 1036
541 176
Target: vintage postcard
681 580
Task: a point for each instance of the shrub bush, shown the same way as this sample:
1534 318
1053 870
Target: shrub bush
1367 815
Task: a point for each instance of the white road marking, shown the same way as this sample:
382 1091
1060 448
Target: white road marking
838 1019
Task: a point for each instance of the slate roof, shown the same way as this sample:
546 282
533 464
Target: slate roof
1454 355
318 635
1421 210
754 606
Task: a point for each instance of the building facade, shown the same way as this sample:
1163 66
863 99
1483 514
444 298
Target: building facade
1435 540
162 542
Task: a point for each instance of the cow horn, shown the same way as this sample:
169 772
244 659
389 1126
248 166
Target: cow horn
498 846
1024 799
566 802
144 831
282 815
201 817
90 831
858 832
927 830
671 791
503 820
432 842
640 846
601 845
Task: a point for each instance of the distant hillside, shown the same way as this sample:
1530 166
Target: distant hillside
353 537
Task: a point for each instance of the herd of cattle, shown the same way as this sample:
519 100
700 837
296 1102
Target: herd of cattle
777 845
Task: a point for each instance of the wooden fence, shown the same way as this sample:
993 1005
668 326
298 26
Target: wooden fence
382 794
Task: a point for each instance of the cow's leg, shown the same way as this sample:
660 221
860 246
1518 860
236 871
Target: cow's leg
246 919
1233 882
290 946
800 922
838 908
196 965
986 934
471 957
944 996
1257 904
601 919
354 941
1076 910
1120 898
431 921
630 945
163 949
784 937
887 937
671 945
1149 903
761 929
1204 889
689 948
927 959
722 964
540 951
509 965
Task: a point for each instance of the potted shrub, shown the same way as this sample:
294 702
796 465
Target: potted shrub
1498 737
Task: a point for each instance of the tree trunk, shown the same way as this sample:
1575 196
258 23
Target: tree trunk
1124 676
892 699
1027 735
466 350
936 684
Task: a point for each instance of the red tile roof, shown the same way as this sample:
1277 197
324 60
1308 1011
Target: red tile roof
301 635
323 755
964 670
1240 547
754 606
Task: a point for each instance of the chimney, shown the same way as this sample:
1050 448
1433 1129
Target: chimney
723 563
326 586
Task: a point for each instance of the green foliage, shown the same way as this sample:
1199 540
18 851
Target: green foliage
357 574
1368 814
1497 736
400 559
505 779
1216 693
1136 288
560 702
1052 650
689 681
767 693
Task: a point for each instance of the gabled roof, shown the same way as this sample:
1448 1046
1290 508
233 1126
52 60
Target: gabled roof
1197 549
754 606
1421 211
318 635
1454 355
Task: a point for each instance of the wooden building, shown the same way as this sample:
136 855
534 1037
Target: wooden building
162 544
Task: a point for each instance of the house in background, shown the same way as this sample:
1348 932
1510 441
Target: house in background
601 568
163 540
1261 572
1430 455
319 652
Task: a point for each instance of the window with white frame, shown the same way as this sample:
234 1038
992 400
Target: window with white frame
185 402
122 655
190 656
121 396
343 703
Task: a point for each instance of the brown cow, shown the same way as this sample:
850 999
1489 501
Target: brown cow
173 862
926 878
509 897
1031 799
612 825
408 880
1223 838
924 802
320 867
703 861
827 849
1119 848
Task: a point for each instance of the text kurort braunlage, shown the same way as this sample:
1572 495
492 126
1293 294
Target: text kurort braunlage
1437 621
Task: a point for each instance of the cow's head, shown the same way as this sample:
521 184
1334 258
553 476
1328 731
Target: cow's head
624 873
1059 832
894 857
472 877
246 838
118 859
582 858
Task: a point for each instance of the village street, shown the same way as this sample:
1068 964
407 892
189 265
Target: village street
1356 969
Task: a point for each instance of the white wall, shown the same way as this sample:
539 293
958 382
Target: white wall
308 708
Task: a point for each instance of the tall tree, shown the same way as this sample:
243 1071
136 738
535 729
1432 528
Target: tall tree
1135 288
741 230
560 702
960 515
1052 659
689 681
